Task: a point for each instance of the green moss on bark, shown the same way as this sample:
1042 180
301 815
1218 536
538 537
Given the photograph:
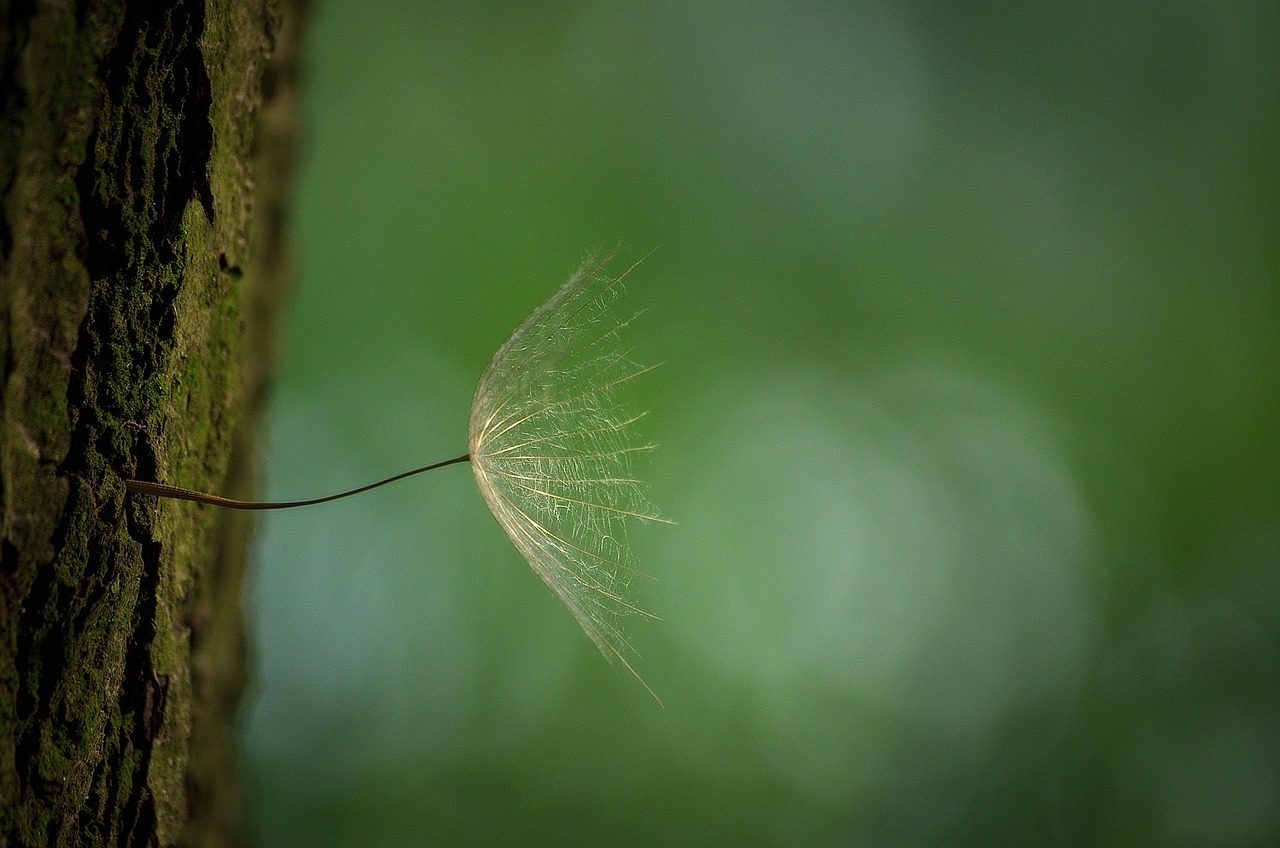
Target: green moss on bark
139 262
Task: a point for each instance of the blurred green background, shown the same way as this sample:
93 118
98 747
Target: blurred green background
971 322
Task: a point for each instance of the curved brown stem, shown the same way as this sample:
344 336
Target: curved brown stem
164 490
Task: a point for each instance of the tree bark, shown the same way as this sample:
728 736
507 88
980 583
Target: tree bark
144 151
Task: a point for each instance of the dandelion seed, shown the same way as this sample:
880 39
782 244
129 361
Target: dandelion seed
551 447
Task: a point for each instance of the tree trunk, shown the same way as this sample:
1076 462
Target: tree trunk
144 149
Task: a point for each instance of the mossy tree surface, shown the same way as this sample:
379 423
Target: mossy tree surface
142 160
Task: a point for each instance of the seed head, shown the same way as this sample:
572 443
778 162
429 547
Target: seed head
552 448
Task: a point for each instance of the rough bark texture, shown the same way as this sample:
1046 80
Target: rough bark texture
143 152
